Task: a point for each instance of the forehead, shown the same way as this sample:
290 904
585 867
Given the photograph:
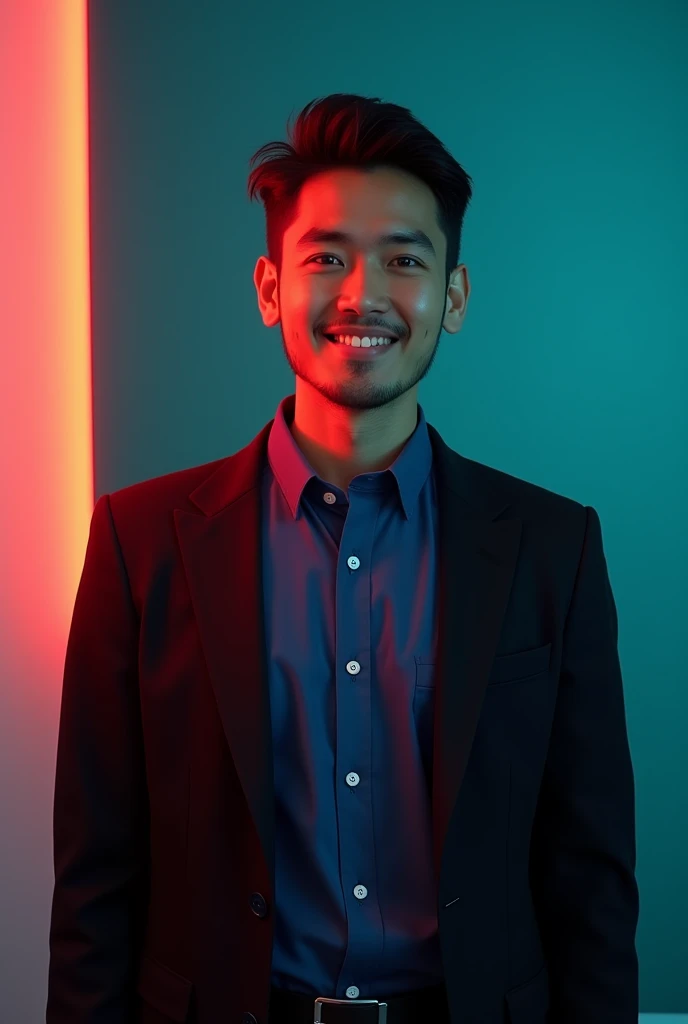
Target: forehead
365 206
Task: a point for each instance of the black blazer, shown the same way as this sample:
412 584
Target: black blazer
163 815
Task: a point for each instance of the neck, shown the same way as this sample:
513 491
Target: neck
341 447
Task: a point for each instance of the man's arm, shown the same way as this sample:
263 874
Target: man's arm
583 848
100 820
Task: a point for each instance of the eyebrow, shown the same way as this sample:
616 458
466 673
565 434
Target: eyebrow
418 238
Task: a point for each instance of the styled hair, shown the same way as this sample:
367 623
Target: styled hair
346 130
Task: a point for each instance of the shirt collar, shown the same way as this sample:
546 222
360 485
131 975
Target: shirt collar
292 470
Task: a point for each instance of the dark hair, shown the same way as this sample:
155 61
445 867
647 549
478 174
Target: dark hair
346 130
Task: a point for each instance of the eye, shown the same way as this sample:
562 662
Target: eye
329 256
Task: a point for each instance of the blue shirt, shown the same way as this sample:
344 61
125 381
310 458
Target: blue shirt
350 605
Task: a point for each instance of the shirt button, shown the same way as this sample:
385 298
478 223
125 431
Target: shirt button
352 779
330 498
353 668
360 892
353 562
258 904
353 992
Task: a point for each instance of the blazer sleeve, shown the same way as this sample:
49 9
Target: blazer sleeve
101 813
583 851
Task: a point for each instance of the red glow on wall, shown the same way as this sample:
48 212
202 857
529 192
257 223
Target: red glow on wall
46 444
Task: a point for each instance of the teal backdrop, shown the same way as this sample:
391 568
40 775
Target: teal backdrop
570 370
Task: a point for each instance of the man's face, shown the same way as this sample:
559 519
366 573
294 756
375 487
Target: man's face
396 287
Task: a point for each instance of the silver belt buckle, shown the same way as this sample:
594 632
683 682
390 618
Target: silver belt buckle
381 1013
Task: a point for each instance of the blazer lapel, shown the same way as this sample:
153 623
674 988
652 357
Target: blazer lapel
221 553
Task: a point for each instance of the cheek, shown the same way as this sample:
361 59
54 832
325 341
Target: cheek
425 303
297 295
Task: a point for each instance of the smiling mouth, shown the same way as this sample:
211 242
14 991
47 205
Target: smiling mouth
332 338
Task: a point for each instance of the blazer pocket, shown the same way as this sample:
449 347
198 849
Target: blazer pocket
163 989
529 1003
507 668
512 668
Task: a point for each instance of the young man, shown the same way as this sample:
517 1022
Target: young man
343 733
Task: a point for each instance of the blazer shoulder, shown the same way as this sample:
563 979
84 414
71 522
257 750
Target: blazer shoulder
167 491
524 496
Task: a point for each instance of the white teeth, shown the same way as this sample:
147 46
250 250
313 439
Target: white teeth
347 339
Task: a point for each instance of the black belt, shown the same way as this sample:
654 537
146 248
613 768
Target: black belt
422 1005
